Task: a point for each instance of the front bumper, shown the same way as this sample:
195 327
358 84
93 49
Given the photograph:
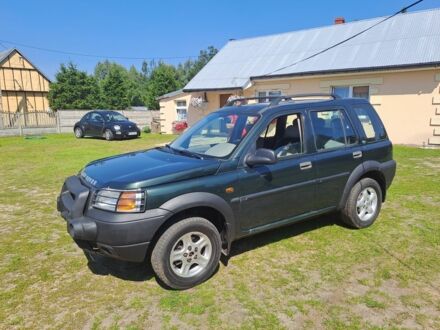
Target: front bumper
126 134
117 235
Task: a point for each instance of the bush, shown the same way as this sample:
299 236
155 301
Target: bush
146 129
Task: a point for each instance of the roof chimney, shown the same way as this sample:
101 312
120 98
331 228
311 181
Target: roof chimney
339 20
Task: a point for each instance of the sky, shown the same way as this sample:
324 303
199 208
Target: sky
168 30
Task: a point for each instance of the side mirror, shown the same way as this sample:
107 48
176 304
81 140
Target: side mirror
261 156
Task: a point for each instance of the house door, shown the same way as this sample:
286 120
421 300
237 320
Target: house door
224 99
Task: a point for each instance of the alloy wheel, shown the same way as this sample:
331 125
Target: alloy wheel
366 204
191 254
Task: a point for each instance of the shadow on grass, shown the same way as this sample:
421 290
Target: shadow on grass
101 265
256 241
130 271
99 138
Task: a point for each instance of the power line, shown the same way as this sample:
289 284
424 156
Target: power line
403 10
95 55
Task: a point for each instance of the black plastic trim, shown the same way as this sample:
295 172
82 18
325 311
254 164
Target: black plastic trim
388 169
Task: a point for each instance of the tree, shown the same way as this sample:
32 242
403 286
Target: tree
147 68
137 85
188 69
114 88
73 89
163 79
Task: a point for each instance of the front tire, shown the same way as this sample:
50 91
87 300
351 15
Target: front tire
363 204
187 253
78 132
108 135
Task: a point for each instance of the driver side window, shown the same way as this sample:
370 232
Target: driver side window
283 135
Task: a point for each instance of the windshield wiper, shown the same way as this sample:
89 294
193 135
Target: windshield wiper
189 153
184 152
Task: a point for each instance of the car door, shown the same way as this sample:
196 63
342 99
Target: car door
338 153
280 191
96 124
84 123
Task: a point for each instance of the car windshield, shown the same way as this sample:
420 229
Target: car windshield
113 116
217 135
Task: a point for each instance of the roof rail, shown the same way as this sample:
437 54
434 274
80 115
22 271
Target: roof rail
275 100
299 96
241 99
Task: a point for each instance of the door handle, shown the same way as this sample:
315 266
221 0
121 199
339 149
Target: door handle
305 165
357 154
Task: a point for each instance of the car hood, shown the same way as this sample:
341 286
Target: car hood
145 168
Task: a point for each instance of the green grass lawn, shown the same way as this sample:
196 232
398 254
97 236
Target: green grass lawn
316 274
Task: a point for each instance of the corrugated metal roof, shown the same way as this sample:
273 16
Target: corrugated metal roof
170 94
409 39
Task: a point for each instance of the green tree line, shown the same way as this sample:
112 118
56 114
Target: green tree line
112 86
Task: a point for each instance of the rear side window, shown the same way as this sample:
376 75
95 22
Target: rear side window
370 122
332 129
96 117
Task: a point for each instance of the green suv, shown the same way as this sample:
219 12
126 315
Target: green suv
241 170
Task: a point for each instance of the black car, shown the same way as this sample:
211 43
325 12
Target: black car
107 124
239 171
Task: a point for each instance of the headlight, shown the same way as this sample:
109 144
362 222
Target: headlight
119 201
117 127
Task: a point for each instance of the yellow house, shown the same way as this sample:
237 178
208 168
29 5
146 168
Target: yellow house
23 88
396 65
173 107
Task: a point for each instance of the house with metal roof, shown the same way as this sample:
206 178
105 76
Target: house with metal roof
395 64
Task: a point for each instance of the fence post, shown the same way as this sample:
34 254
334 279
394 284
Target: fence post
1 120
57 117
20 126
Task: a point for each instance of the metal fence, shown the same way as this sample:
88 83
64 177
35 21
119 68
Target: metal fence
27 119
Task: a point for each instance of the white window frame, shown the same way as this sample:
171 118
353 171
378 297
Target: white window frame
180 108
350 89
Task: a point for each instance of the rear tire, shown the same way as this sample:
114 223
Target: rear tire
78 132
363 204
108 135
187 253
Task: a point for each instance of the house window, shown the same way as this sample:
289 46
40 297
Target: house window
181 110
352 91
267 93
